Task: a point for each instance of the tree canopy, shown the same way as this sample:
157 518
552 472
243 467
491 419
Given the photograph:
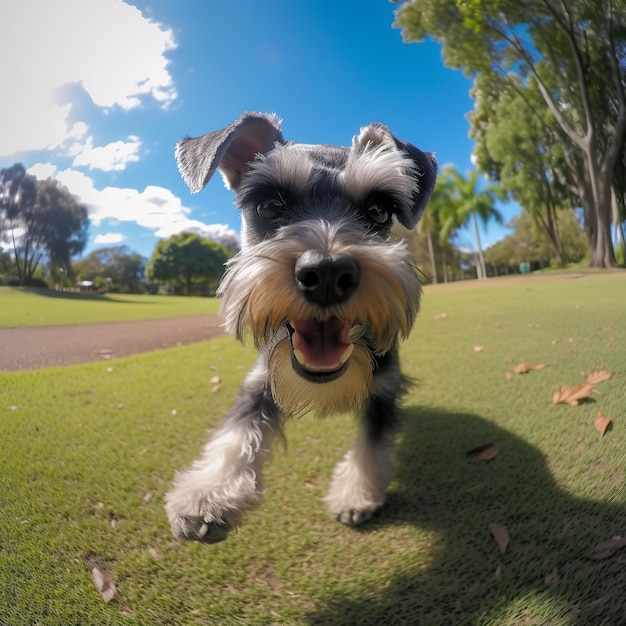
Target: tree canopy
118 268
186 259
560 65
41 221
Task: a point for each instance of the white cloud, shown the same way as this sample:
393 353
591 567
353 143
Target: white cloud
43 170
109 238
107 46
112 157
155 208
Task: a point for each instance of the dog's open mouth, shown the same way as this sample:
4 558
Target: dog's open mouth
321 350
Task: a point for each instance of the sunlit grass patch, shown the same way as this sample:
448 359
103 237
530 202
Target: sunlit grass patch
46 307
88 453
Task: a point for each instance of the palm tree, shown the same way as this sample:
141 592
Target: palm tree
470 204
438 223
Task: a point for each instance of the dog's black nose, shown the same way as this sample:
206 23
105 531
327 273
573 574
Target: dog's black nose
327 280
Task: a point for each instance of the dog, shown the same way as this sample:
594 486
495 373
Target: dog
325 294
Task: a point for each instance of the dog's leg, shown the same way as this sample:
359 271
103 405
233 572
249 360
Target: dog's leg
211 497
359 483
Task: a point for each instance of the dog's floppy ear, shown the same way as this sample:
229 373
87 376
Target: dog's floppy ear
229 149
426 171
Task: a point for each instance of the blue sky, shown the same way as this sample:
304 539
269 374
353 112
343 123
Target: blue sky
103 90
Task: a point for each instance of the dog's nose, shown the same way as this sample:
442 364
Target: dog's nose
327 280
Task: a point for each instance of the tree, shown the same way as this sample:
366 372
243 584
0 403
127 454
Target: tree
516 147
469 204
118 268
185 259
573 52
41 221
529 244
436 225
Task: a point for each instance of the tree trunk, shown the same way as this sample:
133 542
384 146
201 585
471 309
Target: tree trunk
482 274
602 251
431 253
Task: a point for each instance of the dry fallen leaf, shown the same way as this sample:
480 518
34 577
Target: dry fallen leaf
441 316
154 553
216 388
552 578
602 423
215 380
608 548
485 452
101 579
500 534
524 368
598 376
509 375
147 498
479 348
567 394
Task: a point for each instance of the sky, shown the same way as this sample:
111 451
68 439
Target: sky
101 91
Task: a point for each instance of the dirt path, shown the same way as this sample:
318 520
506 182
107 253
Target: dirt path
53 346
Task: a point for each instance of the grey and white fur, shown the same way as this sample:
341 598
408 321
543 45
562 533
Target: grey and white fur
325 294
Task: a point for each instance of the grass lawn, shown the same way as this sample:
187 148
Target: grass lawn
88 453
47 307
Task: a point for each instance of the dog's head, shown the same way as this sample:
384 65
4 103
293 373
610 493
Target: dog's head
318 281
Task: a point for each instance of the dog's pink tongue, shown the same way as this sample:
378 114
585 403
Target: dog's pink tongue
321 346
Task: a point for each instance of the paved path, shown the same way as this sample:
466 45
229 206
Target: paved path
53 346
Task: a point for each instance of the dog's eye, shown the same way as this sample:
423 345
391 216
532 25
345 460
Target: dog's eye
378 213
270 209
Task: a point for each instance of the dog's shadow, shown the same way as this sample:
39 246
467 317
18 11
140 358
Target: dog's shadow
466 579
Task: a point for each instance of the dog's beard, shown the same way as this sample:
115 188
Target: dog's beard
296 389
320 357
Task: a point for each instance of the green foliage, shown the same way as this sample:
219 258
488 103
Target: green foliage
116 268
550 89
88 455
41 220
530 244
186 259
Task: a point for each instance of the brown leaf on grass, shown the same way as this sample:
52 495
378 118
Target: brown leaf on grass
101 578
486 452
524 368
509 375
567 394
479 348
500 534
552 578
602 423
147 498
154 553
608 548
598 376
215 380
441 316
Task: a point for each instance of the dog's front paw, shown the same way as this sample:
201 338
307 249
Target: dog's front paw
199 529
206 509
355 517
358 489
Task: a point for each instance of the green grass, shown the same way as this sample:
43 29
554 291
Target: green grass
82 446
47 307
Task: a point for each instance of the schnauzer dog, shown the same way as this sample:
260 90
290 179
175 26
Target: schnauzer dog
325 294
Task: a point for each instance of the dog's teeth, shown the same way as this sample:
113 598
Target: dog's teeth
347 354
203 530
299 357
